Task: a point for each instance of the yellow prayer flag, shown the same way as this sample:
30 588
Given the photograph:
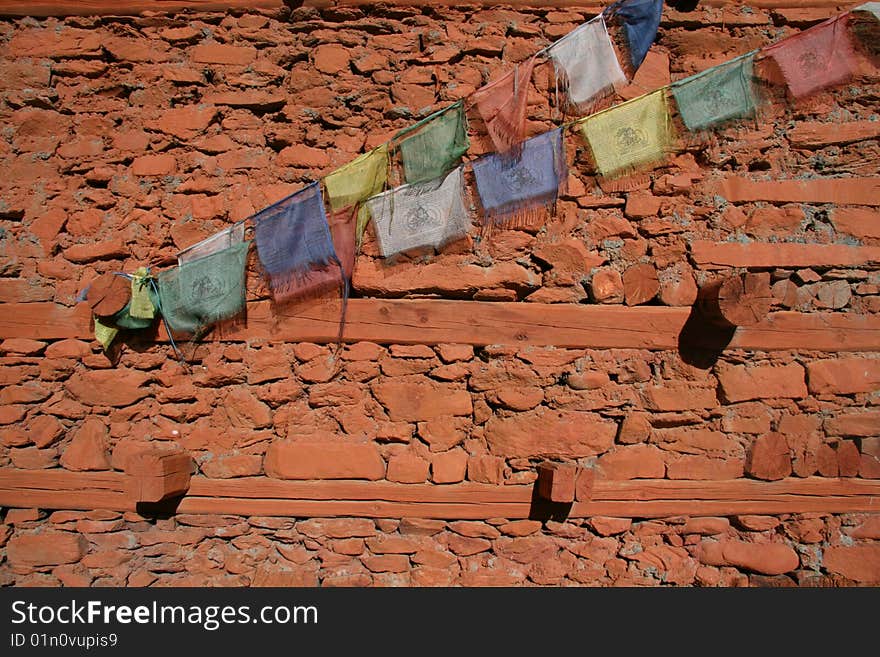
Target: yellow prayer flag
141 306
630 135
363 177
105 334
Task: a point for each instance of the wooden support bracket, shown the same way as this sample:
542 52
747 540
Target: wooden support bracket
556 481
155 475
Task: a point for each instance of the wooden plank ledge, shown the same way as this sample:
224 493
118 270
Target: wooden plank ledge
436 321
134 7
645 498
769 255
125 7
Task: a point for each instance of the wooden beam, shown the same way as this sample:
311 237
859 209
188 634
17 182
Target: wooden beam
266 487
842 191
133 7
739 300
352 508
125 7
435 321
644 498
722 255
154 475
78 500
556 481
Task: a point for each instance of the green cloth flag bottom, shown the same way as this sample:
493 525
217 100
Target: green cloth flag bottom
203 292
719 94
437 147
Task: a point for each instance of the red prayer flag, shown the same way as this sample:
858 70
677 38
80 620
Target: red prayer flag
502 104
819 57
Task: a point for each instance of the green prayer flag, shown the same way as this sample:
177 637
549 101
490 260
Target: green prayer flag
437 147
716 95
199 293
140 306
104 333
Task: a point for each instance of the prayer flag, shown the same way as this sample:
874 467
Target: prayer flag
200 293
354 183
640 18
294 243
818 57
515 188
635 133
223 240
437 147
502 104
716 95
423 214
586 62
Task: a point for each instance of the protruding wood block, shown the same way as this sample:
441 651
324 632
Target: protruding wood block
556 482
742 300
155 475
583 487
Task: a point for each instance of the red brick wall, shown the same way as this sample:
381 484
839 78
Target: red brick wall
126 139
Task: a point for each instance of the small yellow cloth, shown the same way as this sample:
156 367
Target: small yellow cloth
354 183
141 306
105 334
630 135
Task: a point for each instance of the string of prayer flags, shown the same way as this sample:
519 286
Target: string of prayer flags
502 104
818 57
422 214
630 135
718 94
586 63
437 147
355 182
516 190
227 237
294 243
202 292
641 19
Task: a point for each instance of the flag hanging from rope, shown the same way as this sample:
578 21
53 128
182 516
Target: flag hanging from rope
515 190
819 57
718 94
641 19
437 147
632 134
202 292
355 182
873 7
423 214
294 243
586 63
223 240
502 104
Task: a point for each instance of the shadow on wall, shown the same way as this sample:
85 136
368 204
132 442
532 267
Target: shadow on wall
544 510
702 340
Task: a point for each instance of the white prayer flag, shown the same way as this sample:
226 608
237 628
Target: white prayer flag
226 238
586 59
423 214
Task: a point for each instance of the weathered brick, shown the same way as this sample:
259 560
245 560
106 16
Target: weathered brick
325 460
843 376
546 433
743 383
